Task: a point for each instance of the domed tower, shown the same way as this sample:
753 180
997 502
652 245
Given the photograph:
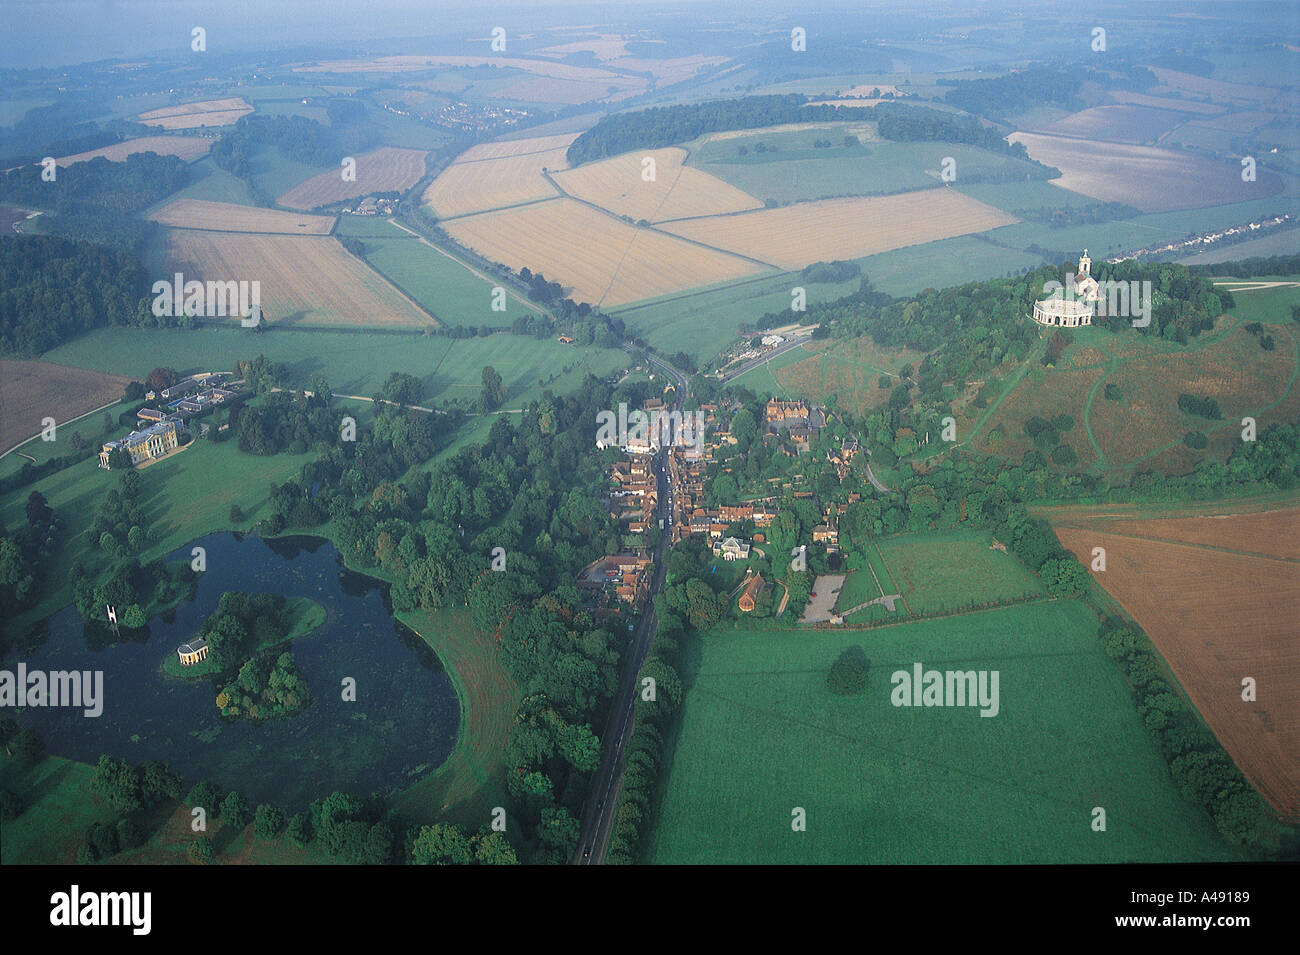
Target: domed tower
1085 264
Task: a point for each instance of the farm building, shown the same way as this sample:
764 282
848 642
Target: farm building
1075 311
153 442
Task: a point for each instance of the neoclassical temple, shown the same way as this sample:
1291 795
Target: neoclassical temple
1073 311
196 651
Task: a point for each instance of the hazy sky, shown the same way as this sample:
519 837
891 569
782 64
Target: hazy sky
57 32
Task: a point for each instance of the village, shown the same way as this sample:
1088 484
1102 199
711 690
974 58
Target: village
732 531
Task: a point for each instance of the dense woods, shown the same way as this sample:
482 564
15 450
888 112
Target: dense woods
666 125
53 289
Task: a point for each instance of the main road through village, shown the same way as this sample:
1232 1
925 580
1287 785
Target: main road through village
598 817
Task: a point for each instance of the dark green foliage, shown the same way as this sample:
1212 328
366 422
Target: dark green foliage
848 674
200 851
665 125
1195 439
1112 392
11 806
234 810
1064 455
93 200
828 272
53 289
207 795
129 835
268 820
1202 406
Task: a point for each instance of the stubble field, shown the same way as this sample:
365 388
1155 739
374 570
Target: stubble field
228 217
183 147
212 112
1153 180
676 192
597 258
798 235
33 390
304 280
476 185
1220 601
383 170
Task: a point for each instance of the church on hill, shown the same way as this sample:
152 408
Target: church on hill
1077 309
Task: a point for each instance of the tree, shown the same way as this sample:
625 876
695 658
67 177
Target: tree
441 844
268 820
161 378
200 851
494 849
118 782
493 389
299 829
207 795
234 810
236 514
848 674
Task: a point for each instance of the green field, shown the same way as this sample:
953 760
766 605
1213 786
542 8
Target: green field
275 174
945 263
438 283
945 570
210 184
703 323
760 735
797 172
354 363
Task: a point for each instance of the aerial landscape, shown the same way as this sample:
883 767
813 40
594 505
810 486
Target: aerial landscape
582 433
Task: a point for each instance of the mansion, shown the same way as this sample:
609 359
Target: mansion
153 442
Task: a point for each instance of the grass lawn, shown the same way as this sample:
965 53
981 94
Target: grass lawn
472 780
941 571
945 263
438 283
211 184
760 735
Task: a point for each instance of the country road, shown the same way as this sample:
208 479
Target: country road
598 815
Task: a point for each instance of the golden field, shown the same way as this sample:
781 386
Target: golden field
383 170
184 147
304 279
228 217
678 191
597 258
806 232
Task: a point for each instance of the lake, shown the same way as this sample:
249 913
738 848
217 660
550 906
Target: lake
402 726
